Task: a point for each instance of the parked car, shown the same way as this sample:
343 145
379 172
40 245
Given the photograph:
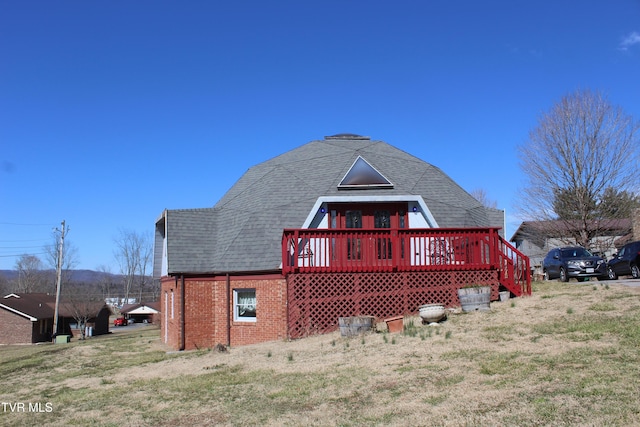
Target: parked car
120 321
626 262
565 263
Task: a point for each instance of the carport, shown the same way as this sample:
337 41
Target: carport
142 313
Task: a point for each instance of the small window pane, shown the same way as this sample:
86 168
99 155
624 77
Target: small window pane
245 304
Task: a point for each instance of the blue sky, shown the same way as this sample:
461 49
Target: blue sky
112 111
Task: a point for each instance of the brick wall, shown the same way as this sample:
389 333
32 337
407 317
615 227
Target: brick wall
635 223
15 329
201 318
169 312
209 311
271 315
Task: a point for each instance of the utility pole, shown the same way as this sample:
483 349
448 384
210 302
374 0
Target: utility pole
58 277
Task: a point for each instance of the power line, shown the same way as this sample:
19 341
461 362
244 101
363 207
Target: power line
21 240
27 225
2 248
17 255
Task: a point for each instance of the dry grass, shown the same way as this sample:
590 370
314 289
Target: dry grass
568 355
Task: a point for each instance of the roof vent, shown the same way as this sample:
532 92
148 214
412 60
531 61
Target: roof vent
347 136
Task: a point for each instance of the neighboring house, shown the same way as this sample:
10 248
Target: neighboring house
536 238
142 313
28 318
339 227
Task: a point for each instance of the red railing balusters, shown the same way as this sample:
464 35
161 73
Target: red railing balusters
380 250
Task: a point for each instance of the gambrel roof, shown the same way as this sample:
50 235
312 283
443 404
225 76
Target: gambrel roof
243 231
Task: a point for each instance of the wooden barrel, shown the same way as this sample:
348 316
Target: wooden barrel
477 298
356 325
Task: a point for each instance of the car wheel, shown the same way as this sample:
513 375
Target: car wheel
612 274
563 275
635 271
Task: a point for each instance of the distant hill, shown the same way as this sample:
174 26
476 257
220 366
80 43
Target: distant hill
79 276
92 283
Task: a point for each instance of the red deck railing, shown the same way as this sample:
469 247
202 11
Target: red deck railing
379 250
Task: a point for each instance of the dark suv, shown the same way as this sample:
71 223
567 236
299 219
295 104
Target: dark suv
626 262
576 261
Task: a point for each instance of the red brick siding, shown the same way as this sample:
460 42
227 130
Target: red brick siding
208 306
15 329
170 326
200 313
271 312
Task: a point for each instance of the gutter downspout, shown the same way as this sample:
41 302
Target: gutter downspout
228 310
182 316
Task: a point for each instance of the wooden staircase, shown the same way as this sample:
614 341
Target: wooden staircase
515 273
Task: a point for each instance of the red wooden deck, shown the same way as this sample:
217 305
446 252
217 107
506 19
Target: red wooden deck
334 273
405 250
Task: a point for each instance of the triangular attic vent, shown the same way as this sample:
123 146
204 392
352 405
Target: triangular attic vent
363 175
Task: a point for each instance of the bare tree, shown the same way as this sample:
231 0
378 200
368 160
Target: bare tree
82 304
579 149
145 263
106 281
31 277
69 257
481 195
4 285
133 253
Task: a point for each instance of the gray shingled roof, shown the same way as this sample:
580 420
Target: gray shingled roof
243 231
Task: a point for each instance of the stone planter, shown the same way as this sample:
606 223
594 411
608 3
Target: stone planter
476 298
505 295
395 324
430 313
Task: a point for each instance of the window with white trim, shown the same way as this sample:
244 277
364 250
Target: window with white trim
244 305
